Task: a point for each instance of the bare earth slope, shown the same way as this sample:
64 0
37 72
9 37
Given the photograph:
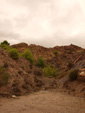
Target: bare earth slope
43 102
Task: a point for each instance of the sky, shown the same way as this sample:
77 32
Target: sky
43 22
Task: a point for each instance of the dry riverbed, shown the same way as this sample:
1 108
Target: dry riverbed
43 102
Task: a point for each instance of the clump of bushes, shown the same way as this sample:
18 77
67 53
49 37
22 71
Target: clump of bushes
28 55
73 75
4 76
49 71
40 62
14 53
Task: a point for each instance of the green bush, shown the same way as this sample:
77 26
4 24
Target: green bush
70 65
40 62
28 55
4 76
55 52
14 53
73 75
48 71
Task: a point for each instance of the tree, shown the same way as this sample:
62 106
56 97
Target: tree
5 42
40 62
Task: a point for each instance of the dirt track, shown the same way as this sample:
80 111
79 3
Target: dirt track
43 102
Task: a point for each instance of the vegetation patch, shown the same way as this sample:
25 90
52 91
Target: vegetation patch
5 42
73 75
4 76
70 65
5 45
28 55
40 62
55 52
14 53
49 71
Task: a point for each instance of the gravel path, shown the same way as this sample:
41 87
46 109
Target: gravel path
43 102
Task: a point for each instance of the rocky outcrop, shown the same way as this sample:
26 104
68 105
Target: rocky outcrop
81 74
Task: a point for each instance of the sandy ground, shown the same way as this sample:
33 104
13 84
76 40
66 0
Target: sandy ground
43 102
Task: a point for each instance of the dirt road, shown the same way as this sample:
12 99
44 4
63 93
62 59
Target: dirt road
43 102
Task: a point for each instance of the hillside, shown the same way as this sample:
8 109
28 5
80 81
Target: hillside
19 77
66 54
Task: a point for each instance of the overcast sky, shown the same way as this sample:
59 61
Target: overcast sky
43 22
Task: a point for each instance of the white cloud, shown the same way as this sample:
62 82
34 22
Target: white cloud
45 22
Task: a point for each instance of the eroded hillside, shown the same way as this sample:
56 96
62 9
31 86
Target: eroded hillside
20 76
66 55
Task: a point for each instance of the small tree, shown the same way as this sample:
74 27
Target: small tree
28 55
14 53
5 42
40 62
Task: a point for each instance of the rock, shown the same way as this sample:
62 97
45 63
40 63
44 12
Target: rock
13 96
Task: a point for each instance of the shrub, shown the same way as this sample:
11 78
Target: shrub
40 62
70 65
14 53
48 71
5 42
4 76
28 55
73 75
55 52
